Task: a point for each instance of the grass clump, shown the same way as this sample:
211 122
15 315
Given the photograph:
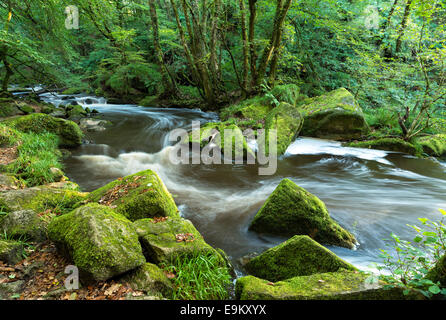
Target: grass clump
37 155
199 277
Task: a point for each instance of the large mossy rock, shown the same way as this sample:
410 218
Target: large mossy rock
298 256
100 242
252 109
287 120
24 225
8 108
69 133
335 115
150 279
60 197
214 133
341 285
138 196
11 251
166 239
434 145
388 144
291 210
438 272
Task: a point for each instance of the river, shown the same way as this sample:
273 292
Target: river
370 193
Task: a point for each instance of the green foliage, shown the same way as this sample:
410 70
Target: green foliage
199 277
413 260
37 155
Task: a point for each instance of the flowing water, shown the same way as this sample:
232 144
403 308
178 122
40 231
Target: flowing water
369 192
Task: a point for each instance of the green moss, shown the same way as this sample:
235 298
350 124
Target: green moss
287 120
298 256
150 279
434 145
56 201
26 109
335 115
438 272
24 225
215 132
140 195
8 108
8 136
160 240
388 144
289 93
148 101
10 251
341 285
255 108
291 210
69 133
101 243
76 110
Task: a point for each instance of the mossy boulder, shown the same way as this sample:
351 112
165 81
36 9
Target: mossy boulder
438 272
164 240
287 120
298 256
214 133
68 132
100 242
47 109
341 285
26 109
255 108
150 279
8 108
58 198
24 224
76 111
140 195
10 252
292 210
434 145
335 115
388 144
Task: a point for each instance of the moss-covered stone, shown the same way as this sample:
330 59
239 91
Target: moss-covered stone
10 252
341 285
255 108
388 144
140 195
335 115
69 133
58 198
8 108
292 210
165 240
23 224
150 279
287 120
76 110
26 109
434 145
215 133
438 272
100 242
298 256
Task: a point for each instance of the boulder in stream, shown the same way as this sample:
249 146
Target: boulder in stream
140 195
335 115
165 239
100 242
388 144
341 285
292 210
434 145
287 120
298 256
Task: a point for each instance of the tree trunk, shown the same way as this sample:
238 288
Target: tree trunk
168 83
245 46
251 36
403 26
